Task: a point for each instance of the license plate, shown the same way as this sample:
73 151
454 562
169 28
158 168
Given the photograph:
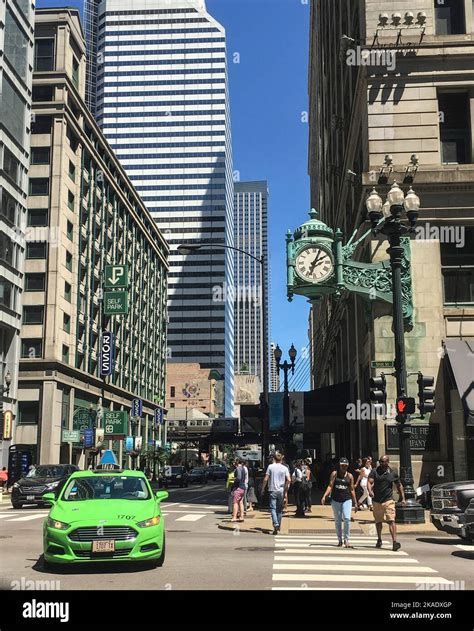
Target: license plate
107 545
30 497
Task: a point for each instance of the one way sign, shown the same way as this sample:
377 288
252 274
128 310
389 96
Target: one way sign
116 276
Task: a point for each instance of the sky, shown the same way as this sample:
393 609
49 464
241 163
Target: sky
267 43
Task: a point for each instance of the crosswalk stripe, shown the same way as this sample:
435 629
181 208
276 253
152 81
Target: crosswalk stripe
8 515
467 548
360 578
344 557
190 517
338 551
344 567
27 518
330 544
200 512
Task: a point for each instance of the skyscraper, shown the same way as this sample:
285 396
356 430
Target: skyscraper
16 61
274 372
250 235
163 104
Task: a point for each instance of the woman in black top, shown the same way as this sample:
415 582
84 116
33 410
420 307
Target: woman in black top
341 489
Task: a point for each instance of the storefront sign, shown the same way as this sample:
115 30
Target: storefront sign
423 438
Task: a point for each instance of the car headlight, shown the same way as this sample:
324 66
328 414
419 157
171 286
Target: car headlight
16 485
179 476
53 485
59 525
153 521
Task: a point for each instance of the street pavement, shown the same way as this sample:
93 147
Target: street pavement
202 554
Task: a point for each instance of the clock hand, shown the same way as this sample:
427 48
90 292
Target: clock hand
313 264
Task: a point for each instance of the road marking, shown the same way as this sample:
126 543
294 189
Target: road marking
467 548
331 544
193 517
343 557
202 512
338 551
360 577
344 567
202 506
27 518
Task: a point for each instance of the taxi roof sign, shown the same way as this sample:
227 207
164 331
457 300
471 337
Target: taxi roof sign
108 458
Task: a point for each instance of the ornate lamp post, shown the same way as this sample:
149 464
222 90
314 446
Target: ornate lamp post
388 219
286 367
189 248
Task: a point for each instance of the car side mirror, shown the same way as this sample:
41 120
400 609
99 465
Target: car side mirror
49 497
162 495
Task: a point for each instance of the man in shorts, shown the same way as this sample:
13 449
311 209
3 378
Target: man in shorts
380 484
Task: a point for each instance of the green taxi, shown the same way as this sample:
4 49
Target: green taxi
105 515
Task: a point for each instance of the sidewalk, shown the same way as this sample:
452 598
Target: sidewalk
320 521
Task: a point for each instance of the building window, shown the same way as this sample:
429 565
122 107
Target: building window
12 111
72 170
31 348
75 72
6 249
173 391
41 125
67 323
33 314
69 261
44 54
6 294
70 230
8 206
455 127
37 217
43 93
28 412
67 291
15 45
39 186
70 201
11 166
65 354
34 282
457 264
449 17
39 155
36 250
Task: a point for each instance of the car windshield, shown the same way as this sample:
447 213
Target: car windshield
46 471
106 488
176 469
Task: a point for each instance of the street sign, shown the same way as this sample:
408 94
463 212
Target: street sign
71 436
81 419
115 302
137 408
129 443
88 438
159 416
7 425
249 454
107 348
387 364
115 422
116 276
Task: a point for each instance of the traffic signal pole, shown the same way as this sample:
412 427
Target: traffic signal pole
411 512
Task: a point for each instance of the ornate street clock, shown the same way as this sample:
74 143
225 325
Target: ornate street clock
319 264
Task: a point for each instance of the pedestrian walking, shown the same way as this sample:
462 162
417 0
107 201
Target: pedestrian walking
362 483
297 482
3 477
251 495
246 482
307 485
381 481
342 491
278 479
229 487
238 492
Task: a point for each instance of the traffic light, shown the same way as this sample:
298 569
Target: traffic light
378 393
405 405
426 394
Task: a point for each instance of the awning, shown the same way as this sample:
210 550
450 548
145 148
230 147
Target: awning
461 359
325 409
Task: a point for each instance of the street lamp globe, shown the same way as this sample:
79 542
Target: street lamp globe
412 201
395 195
277 353
373 204
292 353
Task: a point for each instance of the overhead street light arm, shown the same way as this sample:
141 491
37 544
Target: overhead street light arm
188 248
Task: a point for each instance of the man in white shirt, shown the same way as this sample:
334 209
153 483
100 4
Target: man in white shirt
278 479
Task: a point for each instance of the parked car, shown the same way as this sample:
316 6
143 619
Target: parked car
470 521
175 474
449 507
217 472
45 478
198 475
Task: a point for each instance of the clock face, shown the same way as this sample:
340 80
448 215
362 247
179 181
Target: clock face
314 264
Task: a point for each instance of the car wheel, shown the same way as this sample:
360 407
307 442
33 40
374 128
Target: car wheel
16 504
159 562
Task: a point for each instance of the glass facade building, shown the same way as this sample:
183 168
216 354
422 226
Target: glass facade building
162 101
